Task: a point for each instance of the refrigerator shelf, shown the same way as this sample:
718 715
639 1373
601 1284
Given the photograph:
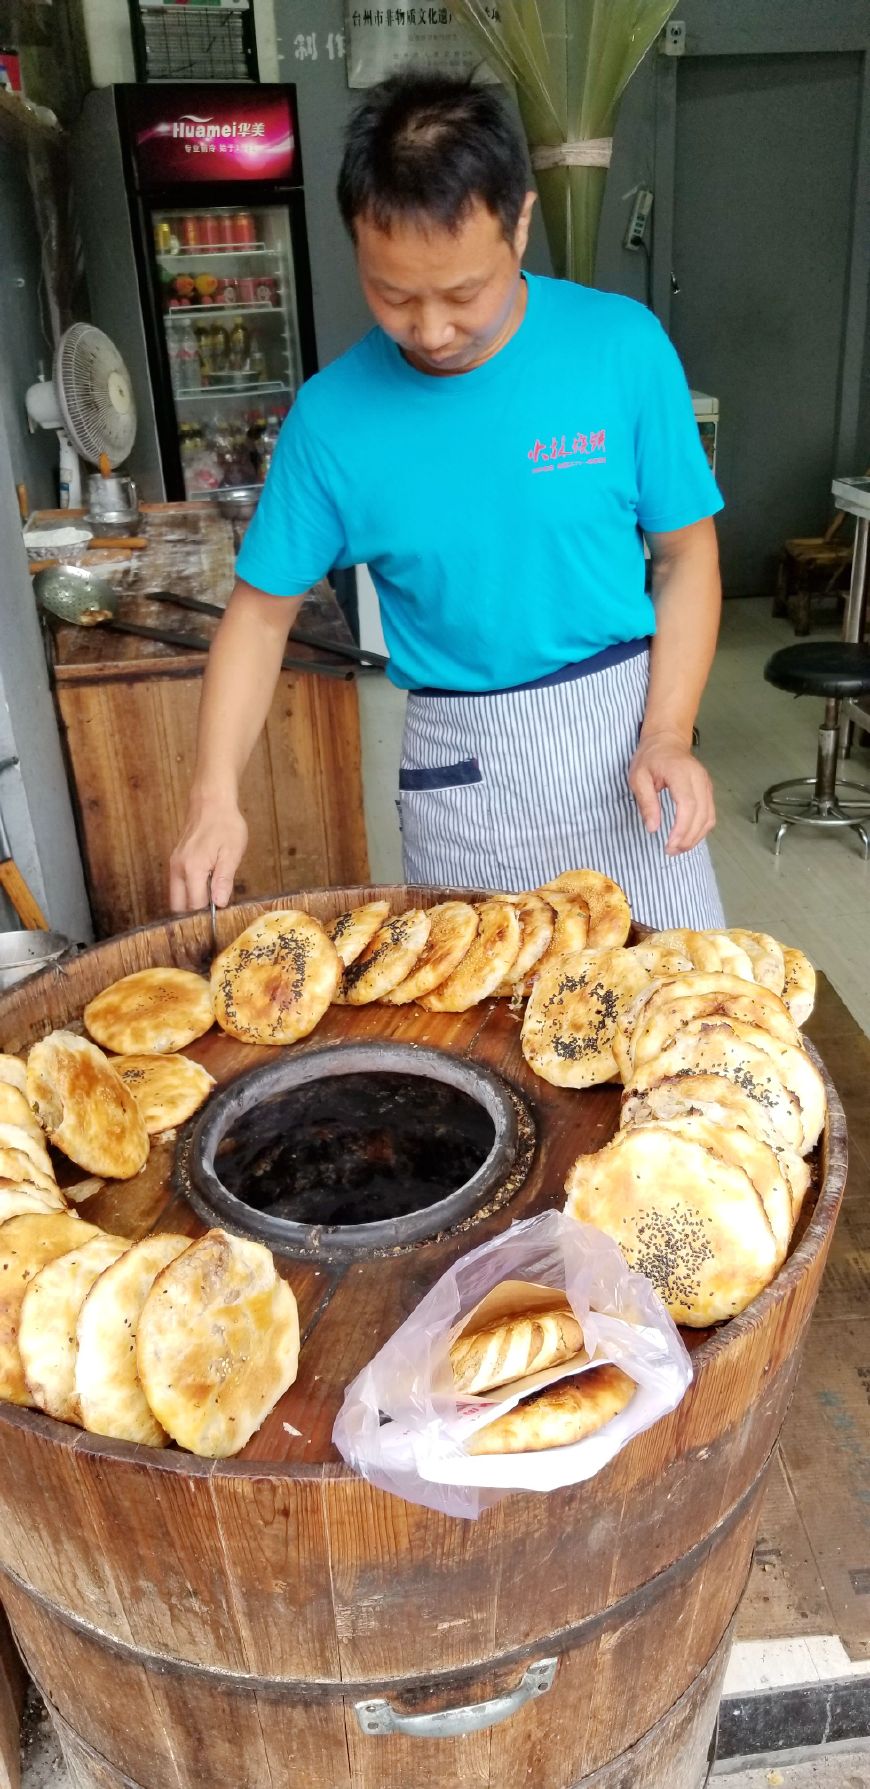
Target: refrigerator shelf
234 391
184 313
255 251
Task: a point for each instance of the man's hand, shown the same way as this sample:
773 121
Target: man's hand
214 841
665 761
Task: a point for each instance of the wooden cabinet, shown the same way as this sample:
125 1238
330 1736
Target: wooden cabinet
130 731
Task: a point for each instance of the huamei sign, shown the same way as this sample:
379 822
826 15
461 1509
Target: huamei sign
209 134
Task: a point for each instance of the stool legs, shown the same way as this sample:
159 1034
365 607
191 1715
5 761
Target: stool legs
820 800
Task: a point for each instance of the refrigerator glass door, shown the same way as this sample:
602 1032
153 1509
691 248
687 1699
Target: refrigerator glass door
227 286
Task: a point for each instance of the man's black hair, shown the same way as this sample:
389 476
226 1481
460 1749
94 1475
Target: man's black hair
424 147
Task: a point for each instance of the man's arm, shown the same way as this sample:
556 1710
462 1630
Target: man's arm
238 687
688 597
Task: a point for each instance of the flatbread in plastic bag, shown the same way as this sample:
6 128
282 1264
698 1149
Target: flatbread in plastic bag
404 1427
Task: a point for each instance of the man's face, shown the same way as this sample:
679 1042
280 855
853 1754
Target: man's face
445 298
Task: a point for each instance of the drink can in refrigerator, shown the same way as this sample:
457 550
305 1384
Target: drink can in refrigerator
189 232
227 228
163 236
246 229
247 291
210 230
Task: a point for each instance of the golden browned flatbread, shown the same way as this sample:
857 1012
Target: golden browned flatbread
13 1072
558 1415
108 1392
710 952
218 1343
667 987
23 1199
47 1326
727 1107
85 1107
799 992
18 1166
151 1012
537 924
274 983
609 911
14 1109
765 955
14 1136
570 931
486 964
699 1049
670 1010
570 1020
514 1347
452 929
682 1215
27 1244
167 1089
388 959
352 931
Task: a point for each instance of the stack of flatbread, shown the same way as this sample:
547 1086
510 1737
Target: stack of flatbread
551 1415
163 1339
704 1183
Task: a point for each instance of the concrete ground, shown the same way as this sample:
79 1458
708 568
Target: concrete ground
837 1770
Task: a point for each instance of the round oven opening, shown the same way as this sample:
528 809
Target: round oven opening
355 1149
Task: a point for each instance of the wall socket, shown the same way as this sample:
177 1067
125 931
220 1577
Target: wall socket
637 223
673 40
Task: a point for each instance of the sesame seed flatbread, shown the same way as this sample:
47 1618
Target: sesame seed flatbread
167 1089
274 983
710 952
14 1136
692 1222
218 1343
27 1244
720 1100
757 1159
559 1415
570 931
609 911
799 992
387 960
14 1109
151 1012
17 1165
701 1050
47 1327
452 929
108 1391
352 931
669 1011
570 1021
84 1106
486 963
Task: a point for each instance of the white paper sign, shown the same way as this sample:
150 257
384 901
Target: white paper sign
384 40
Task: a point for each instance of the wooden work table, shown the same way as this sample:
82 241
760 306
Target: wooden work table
128 711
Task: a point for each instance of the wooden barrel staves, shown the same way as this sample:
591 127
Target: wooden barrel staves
273 1622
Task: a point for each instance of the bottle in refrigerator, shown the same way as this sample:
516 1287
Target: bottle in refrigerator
239 347
256 361
184 360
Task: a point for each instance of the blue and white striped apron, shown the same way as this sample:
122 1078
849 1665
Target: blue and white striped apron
503 790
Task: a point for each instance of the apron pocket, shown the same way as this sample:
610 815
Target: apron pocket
441 776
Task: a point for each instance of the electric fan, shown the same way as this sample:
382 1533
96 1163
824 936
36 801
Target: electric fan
89 402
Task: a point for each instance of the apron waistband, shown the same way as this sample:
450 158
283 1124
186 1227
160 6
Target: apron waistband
586 667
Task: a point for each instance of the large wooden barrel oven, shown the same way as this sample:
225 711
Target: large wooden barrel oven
230 1624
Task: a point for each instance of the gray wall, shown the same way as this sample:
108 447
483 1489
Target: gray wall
25 346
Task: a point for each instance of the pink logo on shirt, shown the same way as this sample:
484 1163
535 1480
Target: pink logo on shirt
584 450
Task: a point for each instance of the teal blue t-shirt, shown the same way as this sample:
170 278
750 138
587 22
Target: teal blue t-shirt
500 511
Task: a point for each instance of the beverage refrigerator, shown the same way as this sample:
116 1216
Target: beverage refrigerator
192 214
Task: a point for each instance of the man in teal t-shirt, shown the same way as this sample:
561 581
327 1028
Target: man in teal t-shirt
496 450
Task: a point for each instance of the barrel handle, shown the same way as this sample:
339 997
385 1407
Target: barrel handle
451 1723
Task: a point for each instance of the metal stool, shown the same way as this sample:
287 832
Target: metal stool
837 670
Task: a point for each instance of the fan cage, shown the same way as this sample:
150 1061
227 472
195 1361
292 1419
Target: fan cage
211 42
86 360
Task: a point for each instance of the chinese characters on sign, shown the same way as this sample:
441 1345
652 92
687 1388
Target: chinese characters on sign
306 47
382 40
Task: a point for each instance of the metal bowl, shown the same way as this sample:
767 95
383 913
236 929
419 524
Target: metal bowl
23 953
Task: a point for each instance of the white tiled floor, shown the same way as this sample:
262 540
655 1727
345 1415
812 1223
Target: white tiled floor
817 894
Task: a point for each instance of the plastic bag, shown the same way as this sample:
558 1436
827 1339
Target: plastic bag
402 1426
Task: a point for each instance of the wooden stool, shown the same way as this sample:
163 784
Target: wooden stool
837 670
